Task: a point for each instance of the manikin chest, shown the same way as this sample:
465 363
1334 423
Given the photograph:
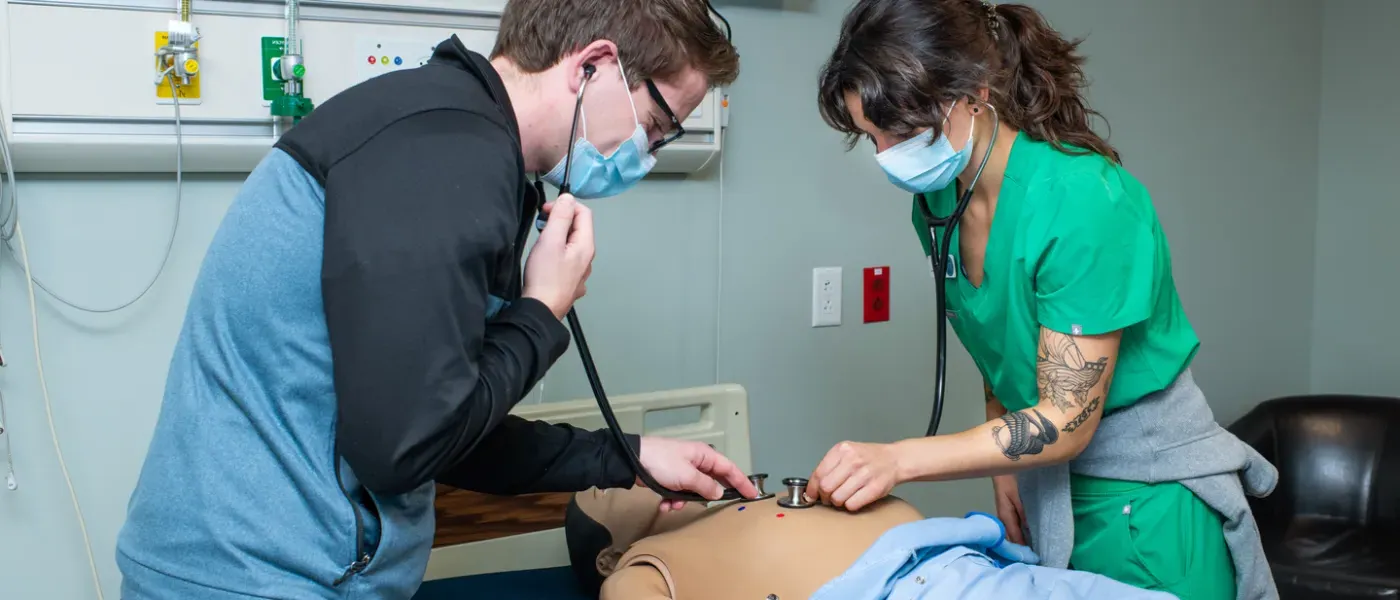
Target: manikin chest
758 550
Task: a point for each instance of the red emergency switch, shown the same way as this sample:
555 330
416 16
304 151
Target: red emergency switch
877 294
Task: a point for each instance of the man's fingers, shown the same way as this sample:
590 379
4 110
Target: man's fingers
581 227
704 485
724 470
561 217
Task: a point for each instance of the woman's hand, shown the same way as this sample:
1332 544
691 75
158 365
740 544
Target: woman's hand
1009 509
853 475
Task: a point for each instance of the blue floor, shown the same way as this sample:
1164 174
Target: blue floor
541 584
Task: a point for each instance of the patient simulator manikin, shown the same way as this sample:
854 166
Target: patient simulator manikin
623 547
732 550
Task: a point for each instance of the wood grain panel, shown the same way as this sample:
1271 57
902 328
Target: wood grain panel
464 516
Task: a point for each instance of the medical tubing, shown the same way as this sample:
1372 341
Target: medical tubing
12 220
7 229
940 284
591 371
728 32
940 275
588 71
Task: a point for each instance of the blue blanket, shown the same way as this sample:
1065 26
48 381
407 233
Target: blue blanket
965 558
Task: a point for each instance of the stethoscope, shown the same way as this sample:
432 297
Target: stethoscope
939 257
590 370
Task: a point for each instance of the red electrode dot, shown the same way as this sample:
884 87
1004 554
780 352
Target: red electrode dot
780 515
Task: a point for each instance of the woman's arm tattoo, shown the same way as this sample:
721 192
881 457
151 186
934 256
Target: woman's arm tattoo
1066 380
1063 375
1024 432
1083 416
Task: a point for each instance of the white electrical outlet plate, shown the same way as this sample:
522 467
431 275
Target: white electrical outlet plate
379 56
826 297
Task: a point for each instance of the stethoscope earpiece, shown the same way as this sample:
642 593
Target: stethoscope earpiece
589 70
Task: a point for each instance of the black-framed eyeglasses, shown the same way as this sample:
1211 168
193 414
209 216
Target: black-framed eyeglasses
676 131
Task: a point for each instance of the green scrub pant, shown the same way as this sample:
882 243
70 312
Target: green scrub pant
1152 536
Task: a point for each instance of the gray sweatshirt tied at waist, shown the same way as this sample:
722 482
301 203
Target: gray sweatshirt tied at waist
1167 436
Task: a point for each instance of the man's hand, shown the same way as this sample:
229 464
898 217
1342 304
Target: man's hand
1009 509
853 475
561 261
693 466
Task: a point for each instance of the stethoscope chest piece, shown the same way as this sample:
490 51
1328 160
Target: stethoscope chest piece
757 479
796 494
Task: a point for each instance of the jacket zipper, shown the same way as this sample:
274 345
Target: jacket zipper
362 558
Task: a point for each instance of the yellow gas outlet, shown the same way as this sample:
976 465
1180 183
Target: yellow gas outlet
188 91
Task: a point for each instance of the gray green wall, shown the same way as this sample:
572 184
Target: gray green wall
1215 105
1356 324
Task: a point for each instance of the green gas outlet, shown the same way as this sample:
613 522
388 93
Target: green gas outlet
296 105
271 51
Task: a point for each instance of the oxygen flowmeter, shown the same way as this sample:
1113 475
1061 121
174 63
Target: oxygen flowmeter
284 74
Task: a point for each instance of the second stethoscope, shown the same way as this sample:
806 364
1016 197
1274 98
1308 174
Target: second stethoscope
941 268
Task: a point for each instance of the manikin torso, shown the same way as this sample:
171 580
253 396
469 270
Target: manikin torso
751 550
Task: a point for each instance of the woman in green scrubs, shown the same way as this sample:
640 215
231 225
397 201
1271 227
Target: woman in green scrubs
1060 287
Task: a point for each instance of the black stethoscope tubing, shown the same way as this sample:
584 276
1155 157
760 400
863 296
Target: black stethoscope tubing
590 370
940 258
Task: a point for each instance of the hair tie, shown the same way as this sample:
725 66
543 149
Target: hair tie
992 18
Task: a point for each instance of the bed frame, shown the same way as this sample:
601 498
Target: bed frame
481 533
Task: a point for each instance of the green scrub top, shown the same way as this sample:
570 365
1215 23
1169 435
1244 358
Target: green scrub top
1075 246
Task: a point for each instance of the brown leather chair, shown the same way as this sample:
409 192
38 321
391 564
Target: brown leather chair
1331 529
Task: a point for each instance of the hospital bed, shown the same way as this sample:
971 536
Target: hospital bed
513 547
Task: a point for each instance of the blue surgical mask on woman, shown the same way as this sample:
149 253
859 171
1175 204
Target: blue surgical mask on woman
920 167
596 176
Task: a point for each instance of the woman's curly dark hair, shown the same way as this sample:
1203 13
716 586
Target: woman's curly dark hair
907 59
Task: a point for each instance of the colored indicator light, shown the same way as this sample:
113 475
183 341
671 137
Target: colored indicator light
397 61
371 60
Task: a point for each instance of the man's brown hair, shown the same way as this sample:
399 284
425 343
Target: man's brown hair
655 39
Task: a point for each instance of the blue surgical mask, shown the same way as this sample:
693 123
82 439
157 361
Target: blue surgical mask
596 176
919 167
